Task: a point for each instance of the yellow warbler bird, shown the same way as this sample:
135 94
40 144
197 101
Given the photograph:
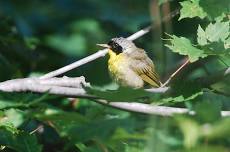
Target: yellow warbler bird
129 65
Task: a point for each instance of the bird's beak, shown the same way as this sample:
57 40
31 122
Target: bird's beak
104 45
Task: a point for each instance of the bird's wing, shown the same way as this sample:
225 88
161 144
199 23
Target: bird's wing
144 67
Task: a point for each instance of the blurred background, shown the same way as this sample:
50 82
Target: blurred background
38 36
41 36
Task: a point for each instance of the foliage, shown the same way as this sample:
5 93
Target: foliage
37 37
18 140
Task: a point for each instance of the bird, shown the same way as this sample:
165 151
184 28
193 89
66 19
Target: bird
129 65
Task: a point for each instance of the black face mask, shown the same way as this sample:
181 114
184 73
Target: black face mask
115 47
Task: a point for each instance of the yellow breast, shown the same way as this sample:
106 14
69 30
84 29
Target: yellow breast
121 72
115 63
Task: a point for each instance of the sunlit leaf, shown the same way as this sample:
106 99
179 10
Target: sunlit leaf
213 32
12 116
217 130
183 46
201 36
190 130
190 9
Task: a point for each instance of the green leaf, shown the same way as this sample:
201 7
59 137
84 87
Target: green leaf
214 39
222 86
183 46
201 36
12 116
121 94
78 129
218 130
181 98
190 130
62 121
227 43
204 8
215 48
121 134
12 100
208 148
208 111
215 8
190 9
225 60
101 129
217 31
19 141
19 100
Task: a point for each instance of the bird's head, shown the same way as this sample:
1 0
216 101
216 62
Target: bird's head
118 45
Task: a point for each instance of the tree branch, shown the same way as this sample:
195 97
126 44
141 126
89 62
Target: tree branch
71 87
74 87
151 109
76 64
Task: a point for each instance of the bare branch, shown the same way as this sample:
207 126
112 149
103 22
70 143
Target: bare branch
76 64
151 109
59 86
145 108
74 87
139 33
66 86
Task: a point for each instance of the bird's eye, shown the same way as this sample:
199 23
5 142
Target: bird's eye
115 47
118 49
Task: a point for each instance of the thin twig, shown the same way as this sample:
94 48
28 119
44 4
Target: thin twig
76 64
174 73
39 128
